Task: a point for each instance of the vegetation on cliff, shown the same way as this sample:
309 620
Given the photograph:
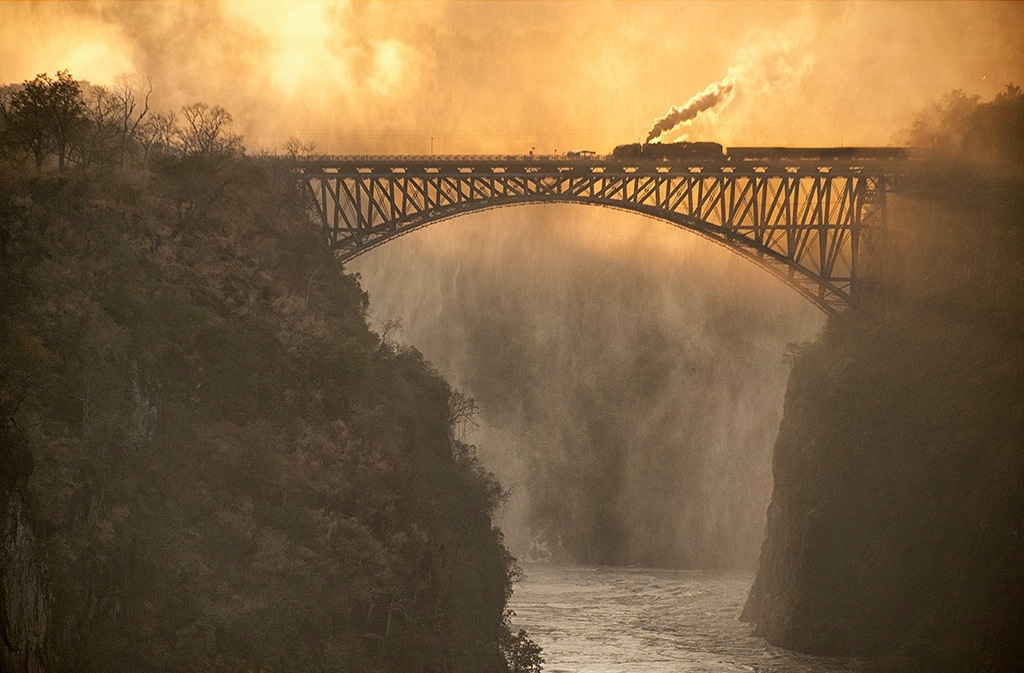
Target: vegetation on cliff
225 469
897 521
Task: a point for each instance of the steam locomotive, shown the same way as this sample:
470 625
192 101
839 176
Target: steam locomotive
664 151
715 151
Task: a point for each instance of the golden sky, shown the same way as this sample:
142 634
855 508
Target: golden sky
503 77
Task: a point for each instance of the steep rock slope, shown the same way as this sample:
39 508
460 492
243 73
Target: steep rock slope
897 520
224 469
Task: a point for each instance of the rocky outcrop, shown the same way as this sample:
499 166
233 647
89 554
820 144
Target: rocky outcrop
896 526
24 599
896 522
24 596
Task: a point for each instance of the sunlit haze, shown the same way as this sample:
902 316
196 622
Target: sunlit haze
505 77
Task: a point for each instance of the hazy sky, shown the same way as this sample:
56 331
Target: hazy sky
508 76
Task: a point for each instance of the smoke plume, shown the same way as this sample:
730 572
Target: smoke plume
714 94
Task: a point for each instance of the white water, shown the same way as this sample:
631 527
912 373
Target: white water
627 620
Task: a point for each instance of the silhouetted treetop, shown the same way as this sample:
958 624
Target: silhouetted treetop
59 122
962 127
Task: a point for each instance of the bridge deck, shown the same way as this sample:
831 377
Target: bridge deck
593 165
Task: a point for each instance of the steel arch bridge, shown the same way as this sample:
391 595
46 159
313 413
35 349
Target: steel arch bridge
815 224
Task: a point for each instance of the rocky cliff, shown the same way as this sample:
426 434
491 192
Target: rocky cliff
208 461
24 594
896 526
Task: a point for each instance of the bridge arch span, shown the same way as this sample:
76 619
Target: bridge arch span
802 281
814 227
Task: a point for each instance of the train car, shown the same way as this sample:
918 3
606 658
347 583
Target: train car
670 151
783 154
688 150
882 153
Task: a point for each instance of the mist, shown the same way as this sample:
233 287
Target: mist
630 376
363 77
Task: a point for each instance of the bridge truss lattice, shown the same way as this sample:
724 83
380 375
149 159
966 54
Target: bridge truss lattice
813 224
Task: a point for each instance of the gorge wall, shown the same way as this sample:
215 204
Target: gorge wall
896 526
207 459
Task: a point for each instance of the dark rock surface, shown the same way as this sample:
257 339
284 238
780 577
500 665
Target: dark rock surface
896 526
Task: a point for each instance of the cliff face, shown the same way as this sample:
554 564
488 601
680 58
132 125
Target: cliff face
207 455
896 525
24 596
25 638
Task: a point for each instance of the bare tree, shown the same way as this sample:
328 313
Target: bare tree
158 133
204 132
95 142
394 324
296 148
133 108
462 413
8 146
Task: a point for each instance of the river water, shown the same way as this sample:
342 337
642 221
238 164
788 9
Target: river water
627 620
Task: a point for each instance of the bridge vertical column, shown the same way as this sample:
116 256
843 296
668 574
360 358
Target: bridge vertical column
868 230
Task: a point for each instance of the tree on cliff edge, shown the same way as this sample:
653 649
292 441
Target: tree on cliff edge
45 115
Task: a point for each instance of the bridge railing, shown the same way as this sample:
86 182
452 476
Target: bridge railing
884 163
441 158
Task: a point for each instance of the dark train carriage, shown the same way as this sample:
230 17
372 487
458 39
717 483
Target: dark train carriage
782 153
695 150
886 153
815 153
